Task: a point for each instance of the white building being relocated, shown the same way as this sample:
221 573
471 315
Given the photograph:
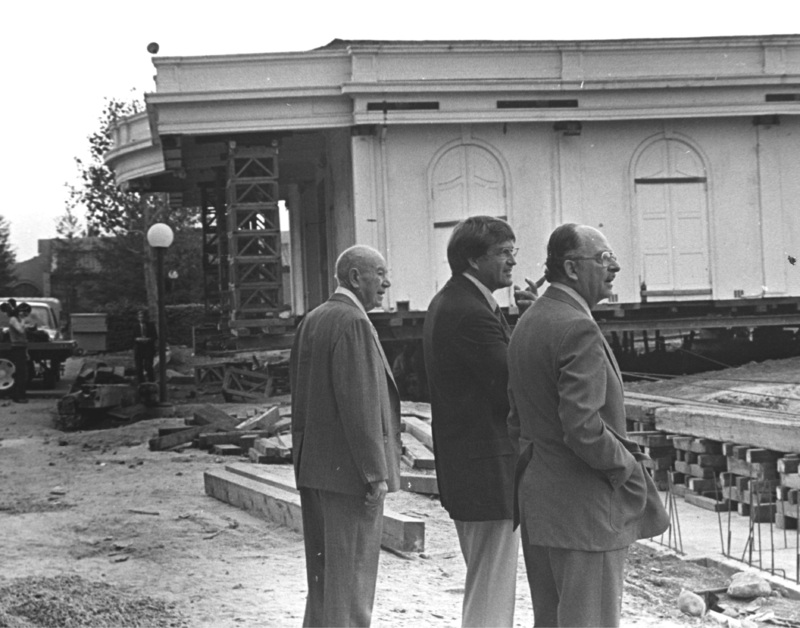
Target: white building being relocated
685 152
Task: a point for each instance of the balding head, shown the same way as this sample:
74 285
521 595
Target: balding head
575 257
362 270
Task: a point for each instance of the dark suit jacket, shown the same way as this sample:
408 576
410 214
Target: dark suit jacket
150 333
465 348
585 487
345 405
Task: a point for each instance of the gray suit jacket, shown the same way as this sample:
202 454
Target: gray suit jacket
345 404
584 487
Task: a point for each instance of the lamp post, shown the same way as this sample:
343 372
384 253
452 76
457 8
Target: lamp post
160 236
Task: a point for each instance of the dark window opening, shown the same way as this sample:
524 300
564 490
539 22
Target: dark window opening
782 97
563 103
402 106
666 180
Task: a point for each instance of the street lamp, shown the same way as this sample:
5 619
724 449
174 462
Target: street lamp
160 236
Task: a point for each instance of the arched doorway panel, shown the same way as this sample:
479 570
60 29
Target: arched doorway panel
670 185
466 177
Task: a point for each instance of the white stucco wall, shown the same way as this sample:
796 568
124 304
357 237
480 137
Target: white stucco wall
751 181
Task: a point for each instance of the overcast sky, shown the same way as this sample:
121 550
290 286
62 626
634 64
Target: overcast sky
61 59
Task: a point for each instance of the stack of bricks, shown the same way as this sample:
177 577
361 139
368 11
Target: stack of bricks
698 465
787 505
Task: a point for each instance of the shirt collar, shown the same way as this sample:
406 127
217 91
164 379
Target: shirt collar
573 293
484 290
352 296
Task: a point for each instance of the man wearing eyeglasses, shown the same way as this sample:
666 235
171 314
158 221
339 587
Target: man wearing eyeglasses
583 493
465 340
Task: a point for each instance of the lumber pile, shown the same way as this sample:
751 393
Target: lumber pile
222 434
417 463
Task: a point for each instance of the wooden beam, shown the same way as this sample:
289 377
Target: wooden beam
420 429
179 438
418 454
259 499
262 421
424 483
779 433
206 441
257 491
208 414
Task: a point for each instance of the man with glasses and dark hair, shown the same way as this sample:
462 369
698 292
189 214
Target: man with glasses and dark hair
465 340
583 494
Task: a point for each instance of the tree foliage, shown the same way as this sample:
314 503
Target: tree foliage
119 219
7 259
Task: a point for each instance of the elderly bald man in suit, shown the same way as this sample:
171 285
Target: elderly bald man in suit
346 441
584 494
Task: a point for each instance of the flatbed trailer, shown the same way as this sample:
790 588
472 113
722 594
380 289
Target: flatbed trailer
46 359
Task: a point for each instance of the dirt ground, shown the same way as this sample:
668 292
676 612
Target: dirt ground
99 507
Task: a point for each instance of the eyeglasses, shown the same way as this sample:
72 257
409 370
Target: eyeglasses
508 252
604 258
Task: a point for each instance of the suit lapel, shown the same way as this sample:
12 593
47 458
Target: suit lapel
613 360
504 324
560 295
345 299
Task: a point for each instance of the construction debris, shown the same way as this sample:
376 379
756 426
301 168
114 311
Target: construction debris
224 435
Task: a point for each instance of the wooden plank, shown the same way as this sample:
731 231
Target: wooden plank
281 425
731 493
659 463
262 421
640 411
757 497
273 448
762 455
716 461
760 514
783 522
758 470
208 415
788 464
651 439
416 408
424 483
700 485
206 441
790 480
786 509
707 503
705 446
247 384
776 432
225 449
166 431
419 429
259 499
400 532
179 438
418 454
699 471
681 466
660 452
683 443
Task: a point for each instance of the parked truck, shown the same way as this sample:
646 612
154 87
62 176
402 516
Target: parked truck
47 348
